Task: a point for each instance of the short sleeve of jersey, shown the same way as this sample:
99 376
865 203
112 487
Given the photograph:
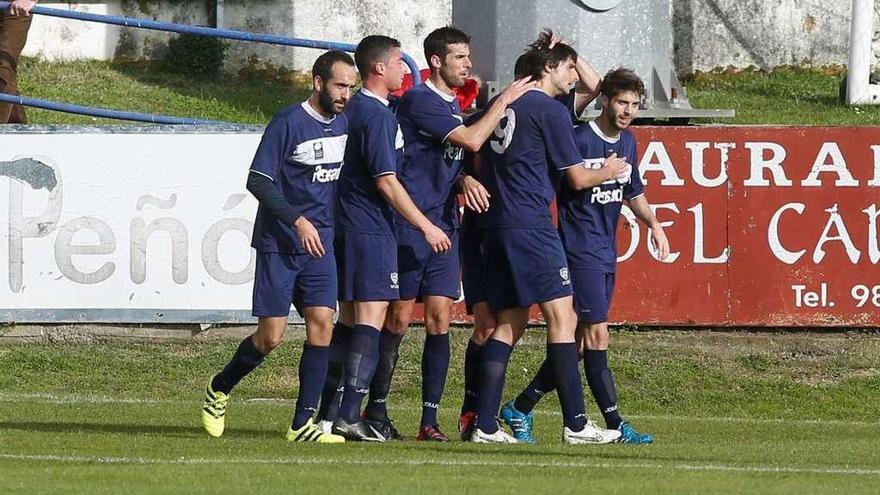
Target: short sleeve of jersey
272 150
635 187
474 117
559 138
378 146
433 116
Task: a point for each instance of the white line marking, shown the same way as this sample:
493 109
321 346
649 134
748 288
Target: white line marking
436 462
88 399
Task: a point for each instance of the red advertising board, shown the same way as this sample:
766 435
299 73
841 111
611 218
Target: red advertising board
769 226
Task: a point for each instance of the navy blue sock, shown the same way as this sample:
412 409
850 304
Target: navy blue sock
380 387
564 362
331 394
360 365
543 382
493 367
435 365
312 373
471 376
245 359
602 385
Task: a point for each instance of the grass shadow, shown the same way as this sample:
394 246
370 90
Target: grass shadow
127 429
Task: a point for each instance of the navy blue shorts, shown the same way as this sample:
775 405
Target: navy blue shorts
593 289
525 267
367 265
282 279
474 274
424 272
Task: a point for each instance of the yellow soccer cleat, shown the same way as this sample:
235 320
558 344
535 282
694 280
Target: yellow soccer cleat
310 432
214 412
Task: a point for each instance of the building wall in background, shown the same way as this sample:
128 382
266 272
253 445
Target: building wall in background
708 33
741 33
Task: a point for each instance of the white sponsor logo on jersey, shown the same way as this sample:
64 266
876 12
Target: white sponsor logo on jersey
324 175
320 151
608 196
452 152
398 139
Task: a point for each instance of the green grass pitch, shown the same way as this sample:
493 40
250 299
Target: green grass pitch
732 412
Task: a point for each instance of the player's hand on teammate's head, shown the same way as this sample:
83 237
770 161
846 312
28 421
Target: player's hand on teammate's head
309 237
661 243
21 8
556 39
437 239
516 89
476 197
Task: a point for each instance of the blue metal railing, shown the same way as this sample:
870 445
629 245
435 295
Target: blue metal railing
174 28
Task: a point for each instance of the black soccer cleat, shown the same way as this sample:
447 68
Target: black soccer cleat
385 428
359 431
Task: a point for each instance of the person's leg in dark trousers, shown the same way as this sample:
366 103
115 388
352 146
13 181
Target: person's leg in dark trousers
13 35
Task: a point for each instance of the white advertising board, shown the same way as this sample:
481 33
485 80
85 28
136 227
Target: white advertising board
126 227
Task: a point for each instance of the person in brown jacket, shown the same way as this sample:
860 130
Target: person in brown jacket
14 25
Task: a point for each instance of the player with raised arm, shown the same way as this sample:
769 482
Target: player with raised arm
366 250
588 225
434 139
474 279
532 145
293 176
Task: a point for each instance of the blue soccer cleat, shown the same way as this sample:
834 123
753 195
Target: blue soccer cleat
628 434
520 424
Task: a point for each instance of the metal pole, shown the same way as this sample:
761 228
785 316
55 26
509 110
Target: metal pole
174 28
861 32
104 112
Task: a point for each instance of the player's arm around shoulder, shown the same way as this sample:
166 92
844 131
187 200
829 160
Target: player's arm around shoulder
471 137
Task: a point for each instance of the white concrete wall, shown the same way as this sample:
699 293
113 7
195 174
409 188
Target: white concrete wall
708 33
765 34
55 38
343 20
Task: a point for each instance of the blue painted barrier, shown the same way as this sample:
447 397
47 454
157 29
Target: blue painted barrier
174 28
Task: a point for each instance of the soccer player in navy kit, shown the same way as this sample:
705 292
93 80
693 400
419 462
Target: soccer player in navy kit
293 176
474 278
434 139
366 246
588 226
533 145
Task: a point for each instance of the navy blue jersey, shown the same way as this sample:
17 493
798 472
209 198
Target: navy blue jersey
374 148
482 173
568 100
302 152
431 164
588 218
532 145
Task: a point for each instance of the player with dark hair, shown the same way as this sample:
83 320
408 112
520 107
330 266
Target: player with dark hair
473 235
293 176
533 145
366 246
434 137
588 226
